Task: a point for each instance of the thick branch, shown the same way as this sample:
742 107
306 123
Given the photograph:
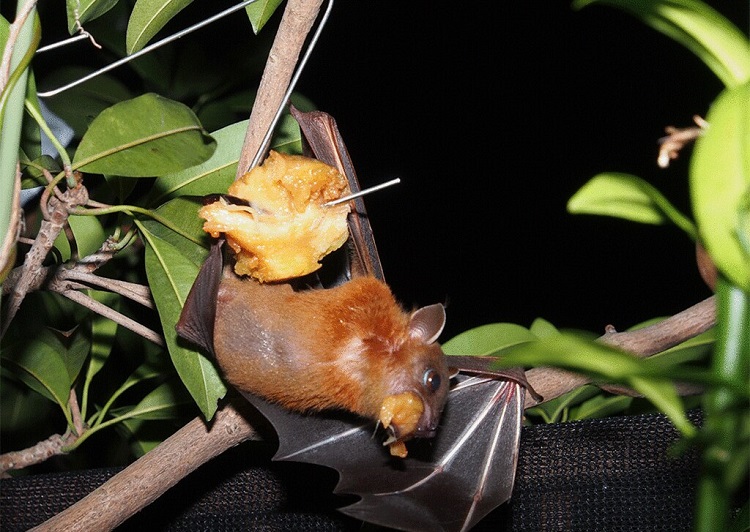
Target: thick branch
299 17
146 479
553 382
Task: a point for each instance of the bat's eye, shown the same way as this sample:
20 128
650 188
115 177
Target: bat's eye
431 380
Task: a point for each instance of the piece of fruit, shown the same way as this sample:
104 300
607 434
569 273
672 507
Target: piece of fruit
400 413
284 230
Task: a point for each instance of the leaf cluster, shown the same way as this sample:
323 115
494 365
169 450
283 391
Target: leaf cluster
719 184
145 160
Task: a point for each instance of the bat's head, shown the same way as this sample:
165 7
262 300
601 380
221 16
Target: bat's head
419 388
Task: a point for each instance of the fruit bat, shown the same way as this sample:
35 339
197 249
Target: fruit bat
321 357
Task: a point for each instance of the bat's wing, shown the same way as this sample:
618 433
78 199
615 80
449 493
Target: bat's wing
198 314
446 483
323 140
449 482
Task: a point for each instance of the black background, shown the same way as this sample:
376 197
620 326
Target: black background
493 115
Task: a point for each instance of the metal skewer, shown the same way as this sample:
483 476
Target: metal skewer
362 192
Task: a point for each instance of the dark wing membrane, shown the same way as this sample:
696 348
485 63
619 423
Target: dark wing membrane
484 366
196 322
322 135
447 483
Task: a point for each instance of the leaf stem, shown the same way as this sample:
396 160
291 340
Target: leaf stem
724 411
130 209
42 123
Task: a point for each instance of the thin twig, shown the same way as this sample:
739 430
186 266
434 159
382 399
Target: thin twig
75 413
105 311
133 291
677 139
552 382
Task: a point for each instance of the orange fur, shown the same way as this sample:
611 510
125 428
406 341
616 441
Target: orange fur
347 347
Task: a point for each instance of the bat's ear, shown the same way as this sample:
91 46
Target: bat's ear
427 323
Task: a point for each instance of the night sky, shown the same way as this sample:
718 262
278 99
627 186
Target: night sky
493 115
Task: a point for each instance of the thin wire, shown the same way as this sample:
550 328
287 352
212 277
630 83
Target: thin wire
292 83
64 42
362 192
148 49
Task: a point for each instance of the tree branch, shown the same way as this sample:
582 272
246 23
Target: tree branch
147 478
552 382
194 444
104 310
299 17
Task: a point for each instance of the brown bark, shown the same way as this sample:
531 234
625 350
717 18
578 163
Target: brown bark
299 17
146 479
553 382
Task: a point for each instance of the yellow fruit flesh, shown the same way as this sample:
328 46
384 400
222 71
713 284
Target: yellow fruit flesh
285 231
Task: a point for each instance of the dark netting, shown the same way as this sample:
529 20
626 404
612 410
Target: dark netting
605 475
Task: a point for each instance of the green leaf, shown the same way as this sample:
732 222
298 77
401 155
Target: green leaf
89 235
541 328
698 27
181 212
4 31
260 11
211 177
146 136
602 362
216 174
147 18
88 232
487 339
40 362
79 105
171 275
81 11
75 352
162 403
629 197
720 184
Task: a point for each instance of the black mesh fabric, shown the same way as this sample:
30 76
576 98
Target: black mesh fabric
606 475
